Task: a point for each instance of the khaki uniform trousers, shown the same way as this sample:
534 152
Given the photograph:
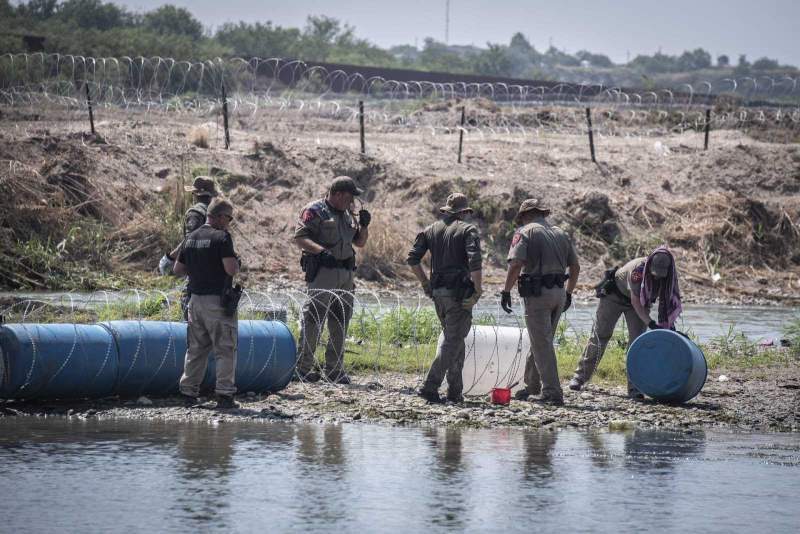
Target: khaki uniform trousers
609 310
209 329
330 299
541 317
456 322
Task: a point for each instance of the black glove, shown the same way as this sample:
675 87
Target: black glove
505 301
364 218
653 326
569 302
326 259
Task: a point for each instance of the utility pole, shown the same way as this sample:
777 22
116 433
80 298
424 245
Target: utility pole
447 22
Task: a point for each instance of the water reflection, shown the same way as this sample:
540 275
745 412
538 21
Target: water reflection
538 447
142 476
205 457
447 506
656 451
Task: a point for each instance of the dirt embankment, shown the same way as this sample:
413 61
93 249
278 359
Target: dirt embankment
105 205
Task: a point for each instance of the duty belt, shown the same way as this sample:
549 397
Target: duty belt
348 264
531 285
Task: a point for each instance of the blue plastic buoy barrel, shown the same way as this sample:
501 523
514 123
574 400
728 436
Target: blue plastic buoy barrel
666 366
151 355
57 361
130 358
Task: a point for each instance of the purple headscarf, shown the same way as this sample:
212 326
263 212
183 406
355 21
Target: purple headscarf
665 290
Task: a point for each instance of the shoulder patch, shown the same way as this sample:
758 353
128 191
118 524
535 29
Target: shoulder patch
308 214
638 274
516 239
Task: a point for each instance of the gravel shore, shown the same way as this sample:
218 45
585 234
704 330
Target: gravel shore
764 399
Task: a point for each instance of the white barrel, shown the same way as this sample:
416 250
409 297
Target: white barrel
495 358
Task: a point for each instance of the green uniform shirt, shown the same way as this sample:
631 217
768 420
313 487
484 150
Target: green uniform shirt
333 229
629 277
453 244
544 248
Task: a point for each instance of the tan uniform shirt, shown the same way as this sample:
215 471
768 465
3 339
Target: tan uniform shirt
544 248
629 277
453 243
333 229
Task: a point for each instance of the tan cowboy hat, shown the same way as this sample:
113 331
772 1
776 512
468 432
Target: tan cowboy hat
456 203
202 186
532 204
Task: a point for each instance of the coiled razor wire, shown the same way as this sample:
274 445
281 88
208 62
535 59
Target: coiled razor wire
387 350
271 89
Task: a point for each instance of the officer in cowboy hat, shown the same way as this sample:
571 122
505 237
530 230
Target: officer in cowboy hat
543 253
454 285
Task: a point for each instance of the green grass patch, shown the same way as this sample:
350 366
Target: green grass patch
404 339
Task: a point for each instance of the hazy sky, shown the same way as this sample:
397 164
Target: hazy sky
613 27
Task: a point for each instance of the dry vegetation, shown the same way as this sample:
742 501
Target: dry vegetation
101 210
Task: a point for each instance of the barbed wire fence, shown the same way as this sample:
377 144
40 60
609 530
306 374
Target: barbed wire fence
276 92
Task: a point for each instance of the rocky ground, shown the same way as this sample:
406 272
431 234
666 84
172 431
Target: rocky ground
764 399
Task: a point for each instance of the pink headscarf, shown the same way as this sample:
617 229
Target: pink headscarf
666 291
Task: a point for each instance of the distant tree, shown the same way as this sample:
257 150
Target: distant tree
406 54
173 20
259 40
695 60
595 60
438 56
319 36
554 57
723 61
655 64
520 43
37 9
6 9
743 61
494 61
765 63
93 14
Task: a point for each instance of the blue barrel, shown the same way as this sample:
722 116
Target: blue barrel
151 355
131 358
265 358
57 361
666 366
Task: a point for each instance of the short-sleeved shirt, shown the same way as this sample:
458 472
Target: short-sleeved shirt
453 243
630 276
333 229
202 254
195 218
543 247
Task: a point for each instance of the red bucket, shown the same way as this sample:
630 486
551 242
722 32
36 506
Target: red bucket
501 396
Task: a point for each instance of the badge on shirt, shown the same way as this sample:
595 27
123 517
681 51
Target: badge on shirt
515 239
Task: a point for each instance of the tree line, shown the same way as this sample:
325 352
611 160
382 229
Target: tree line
108 30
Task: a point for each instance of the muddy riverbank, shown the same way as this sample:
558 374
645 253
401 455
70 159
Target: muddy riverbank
764 398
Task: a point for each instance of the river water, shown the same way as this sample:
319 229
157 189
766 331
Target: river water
705 322
100 476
